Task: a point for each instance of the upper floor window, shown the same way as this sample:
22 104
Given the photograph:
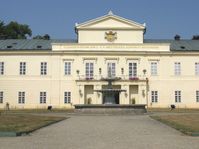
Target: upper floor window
21 97
42 97
177 96
89 70
1 97
132 69
177 68
22 69
67 68
197 68
154 66
43 68
1 68
111 69
67 97
154 96
197 96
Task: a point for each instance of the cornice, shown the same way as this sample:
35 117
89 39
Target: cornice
97 53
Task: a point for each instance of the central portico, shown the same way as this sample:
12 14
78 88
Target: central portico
101 43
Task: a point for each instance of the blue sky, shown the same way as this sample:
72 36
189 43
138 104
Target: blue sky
164 18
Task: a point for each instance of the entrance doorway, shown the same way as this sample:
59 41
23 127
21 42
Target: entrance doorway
88 94
133 94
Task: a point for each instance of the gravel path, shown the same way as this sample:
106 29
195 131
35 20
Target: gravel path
104 132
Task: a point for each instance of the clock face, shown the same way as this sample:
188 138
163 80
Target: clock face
110 36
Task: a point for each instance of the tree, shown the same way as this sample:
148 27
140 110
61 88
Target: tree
195 37
45 37
14 30
38 37
2 30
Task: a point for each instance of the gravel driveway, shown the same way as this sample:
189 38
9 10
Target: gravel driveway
104 132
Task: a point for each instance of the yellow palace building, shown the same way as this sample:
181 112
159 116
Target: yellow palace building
61 73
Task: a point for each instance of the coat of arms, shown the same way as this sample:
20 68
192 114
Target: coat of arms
110 36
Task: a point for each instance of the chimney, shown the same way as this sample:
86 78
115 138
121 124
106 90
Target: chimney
177 37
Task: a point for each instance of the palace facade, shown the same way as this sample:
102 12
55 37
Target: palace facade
61 73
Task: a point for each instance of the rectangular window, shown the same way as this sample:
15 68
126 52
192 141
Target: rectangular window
154 68
67 68
21 97
1 68
177 68
197 96
197 68
67 97
89 70
43 68
111 69
1 97
177 96
42 97
132 70
154 96
22 69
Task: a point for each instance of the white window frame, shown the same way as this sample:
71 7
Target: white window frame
21 97
89 70
1 68
154 96
154 68
197 96
22 68
112 67
67 97
197 68
177 68
178 96
43 68
1 97
42 97
67 68
132 69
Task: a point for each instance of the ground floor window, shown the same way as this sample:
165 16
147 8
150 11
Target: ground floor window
197 96
154 96
177 96
43 97
1 97
21 97
67 97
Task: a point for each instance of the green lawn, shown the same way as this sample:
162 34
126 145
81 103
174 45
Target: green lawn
25 122
187 123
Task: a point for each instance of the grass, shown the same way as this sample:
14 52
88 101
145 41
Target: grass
177 110
36 111
10 122
188 124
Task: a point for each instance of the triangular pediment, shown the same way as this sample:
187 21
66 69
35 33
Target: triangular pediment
110 21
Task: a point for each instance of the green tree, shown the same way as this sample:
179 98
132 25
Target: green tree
14 30
2 30
45 37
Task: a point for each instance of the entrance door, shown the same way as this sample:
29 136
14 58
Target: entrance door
88 94
133 92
